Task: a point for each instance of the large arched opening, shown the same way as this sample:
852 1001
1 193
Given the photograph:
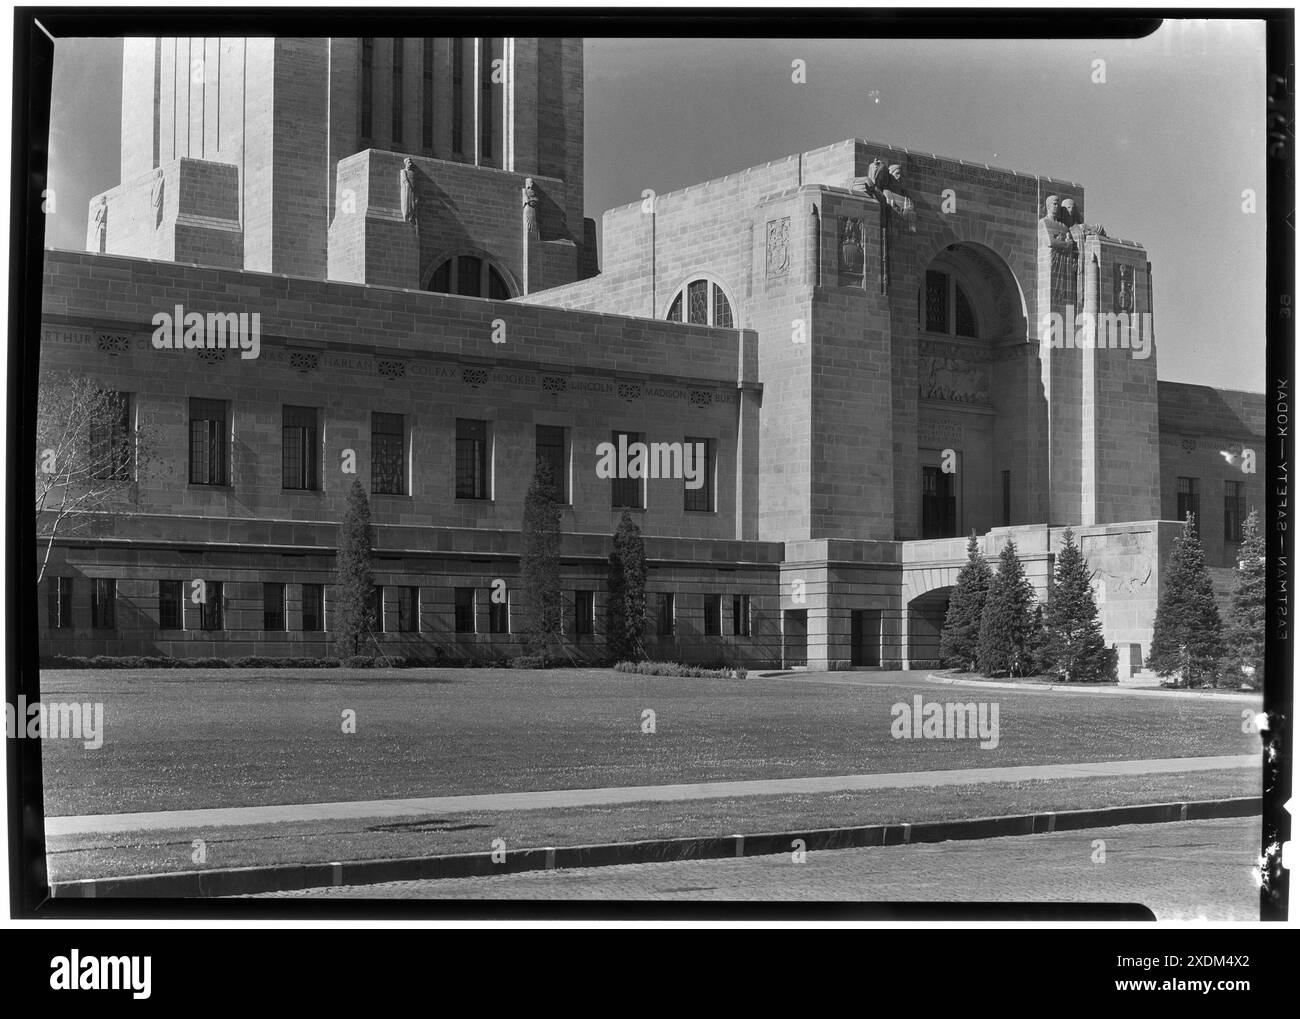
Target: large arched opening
975 412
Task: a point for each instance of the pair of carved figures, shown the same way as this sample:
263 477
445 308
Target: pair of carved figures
1062 231
411 199
886 187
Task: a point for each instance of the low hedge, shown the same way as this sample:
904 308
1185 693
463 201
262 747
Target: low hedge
262 662
677 669
167 662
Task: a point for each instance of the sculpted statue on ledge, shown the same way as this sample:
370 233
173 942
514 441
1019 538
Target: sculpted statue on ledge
530 208
1054 232
410 196
886 187
1078 228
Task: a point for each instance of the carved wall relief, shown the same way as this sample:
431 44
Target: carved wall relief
778 247
1124 288
948 378
851 259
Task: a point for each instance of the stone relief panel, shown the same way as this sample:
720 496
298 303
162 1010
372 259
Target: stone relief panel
778 247
1122 565
851 256
948 372
1124 288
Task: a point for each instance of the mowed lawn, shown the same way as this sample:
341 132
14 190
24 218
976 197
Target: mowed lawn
176 739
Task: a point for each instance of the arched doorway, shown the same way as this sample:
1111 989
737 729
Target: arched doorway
975 371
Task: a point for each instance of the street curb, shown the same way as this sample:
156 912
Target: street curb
295 877
1250 697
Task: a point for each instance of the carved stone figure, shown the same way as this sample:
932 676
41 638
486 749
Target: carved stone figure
156 196
410 196
1054 233
885 186
1124 288
778 246
99 225
897 198
530 208
851 256
1074 218
875 175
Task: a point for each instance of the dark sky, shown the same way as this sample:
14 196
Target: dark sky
1165 147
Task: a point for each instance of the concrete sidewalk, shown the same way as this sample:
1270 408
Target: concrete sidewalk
291 812
1245 696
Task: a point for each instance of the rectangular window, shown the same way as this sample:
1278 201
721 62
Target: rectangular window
584 613
1189 501
626 493
388 454
471 459
367 88
712 615
938 504
272 606
59 602
408 609
313 608
375 607
209 440
427 96
740 615
1006 498
103 604
1232 515
936 302
171 605
699 500
300 448
499 613
110 438
212 614
666 616
551 447
458 96
397 91
464 610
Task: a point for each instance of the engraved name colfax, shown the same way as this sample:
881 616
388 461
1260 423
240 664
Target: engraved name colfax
192 330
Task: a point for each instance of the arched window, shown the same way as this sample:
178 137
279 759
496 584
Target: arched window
946 307
469 276
704 304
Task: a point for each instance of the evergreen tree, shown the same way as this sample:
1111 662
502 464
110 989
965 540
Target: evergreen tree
1007 623
626 611
1188 637
354 581
1074 648
539 565
959 643
1246 627
1036 646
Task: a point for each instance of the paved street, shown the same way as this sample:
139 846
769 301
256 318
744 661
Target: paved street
1181 870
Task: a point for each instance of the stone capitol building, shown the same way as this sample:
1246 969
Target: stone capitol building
857 335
